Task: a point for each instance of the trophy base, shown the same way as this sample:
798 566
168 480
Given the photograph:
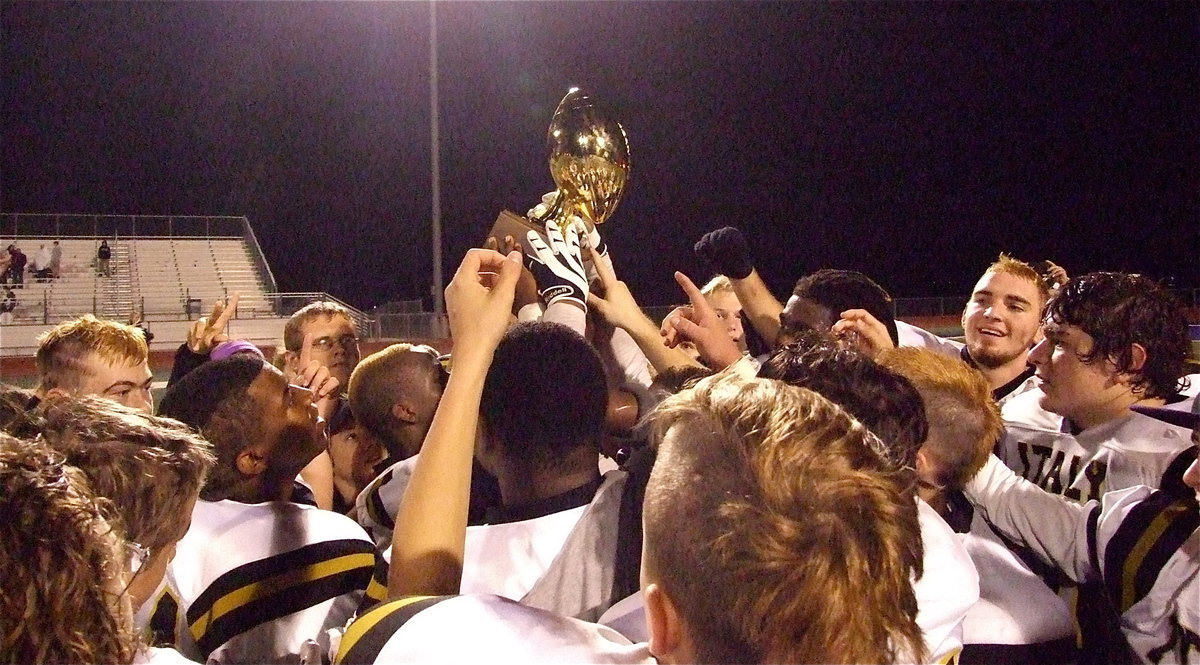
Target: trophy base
509 223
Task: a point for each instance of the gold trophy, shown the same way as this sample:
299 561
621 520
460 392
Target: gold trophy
589 161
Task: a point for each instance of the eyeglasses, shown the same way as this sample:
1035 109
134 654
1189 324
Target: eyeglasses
326 343
138 556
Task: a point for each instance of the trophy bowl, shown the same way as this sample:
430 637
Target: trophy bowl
589 160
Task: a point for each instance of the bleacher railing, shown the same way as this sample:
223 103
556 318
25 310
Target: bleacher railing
287 304
24 225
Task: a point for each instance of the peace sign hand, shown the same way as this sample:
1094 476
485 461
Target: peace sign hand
209 331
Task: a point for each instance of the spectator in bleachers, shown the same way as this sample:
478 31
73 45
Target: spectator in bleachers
91 356
103 259
41 264
16 270
6 258
56 260
7 305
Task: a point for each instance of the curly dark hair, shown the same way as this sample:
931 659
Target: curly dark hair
1119 310
879 398
62 562
840 290
150 467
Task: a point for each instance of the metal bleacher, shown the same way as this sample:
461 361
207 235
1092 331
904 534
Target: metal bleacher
163 268
169 270
172 276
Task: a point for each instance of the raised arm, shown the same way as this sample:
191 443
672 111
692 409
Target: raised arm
430 534
727 251
1052 526
557 265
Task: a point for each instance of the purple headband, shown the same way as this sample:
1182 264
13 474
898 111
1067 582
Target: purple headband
226 349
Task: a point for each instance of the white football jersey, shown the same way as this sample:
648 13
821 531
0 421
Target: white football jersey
948 588
913 336
1015 608
477 629
376 505
250 583
1144 545
1128 451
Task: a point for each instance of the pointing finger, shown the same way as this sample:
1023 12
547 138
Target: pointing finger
306 351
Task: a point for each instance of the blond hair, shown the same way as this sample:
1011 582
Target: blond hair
964 420
376 384
64 350
764 497
718 284
1017 268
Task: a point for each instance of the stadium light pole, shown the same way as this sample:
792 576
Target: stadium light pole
435 175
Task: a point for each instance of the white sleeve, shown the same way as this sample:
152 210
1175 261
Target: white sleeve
910 335
1053 527
567 314
947 589
635 367
530 312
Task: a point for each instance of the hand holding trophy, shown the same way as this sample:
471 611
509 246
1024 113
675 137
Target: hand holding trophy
589 162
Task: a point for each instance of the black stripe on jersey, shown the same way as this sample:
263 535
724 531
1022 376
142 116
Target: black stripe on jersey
1172 479
377 589
1062 650
1150 534
161 625
1093 524
375 507
1183 643
264 590
367 635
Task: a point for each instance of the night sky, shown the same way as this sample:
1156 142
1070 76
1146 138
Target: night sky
912 141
